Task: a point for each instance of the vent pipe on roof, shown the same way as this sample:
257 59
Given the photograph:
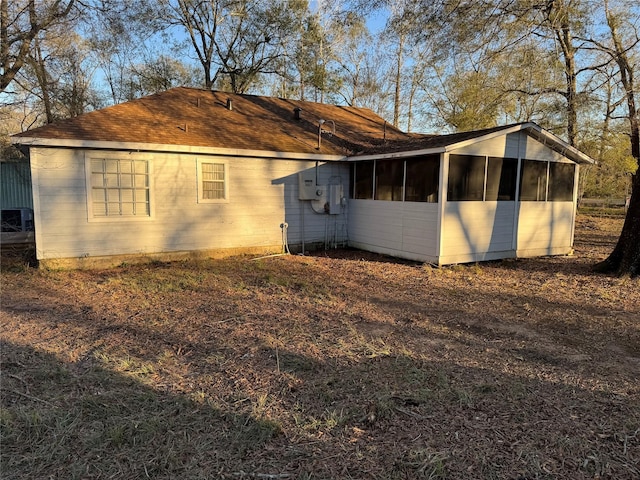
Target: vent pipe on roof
320 123
296 113
229 104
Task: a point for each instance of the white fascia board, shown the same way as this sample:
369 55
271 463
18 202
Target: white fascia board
401 154
536 131
444 148
166 148
559 145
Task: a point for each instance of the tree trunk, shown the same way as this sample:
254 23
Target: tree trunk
43 79
625 258
559 17
396 98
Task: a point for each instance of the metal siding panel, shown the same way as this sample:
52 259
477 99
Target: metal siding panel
15 185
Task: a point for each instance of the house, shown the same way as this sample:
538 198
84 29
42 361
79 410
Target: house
192 171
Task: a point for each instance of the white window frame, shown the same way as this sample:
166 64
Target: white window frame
200 179
128 156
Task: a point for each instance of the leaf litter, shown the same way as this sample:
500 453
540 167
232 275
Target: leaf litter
343 364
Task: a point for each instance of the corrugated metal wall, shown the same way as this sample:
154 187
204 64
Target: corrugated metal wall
15 185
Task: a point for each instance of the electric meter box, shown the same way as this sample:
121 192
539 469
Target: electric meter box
307 188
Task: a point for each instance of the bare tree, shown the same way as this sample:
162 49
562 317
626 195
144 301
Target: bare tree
20 23
235 41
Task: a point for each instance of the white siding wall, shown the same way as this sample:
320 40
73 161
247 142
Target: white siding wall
513 145
502 146
403 229
262 194
475 231
545 228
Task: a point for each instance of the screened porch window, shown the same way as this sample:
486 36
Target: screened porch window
533 181
502 177
421 184
466 178
389 180
413 180
561 180
363 180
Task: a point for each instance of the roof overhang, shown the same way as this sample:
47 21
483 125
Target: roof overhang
556 143
530 128
166 148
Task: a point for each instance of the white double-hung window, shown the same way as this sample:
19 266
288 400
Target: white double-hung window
118 188
213 182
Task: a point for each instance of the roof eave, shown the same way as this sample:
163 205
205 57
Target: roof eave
530 128
400 154
559 145
168 148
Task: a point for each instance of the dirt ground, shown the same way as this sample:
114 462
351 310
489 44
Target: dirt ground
339 365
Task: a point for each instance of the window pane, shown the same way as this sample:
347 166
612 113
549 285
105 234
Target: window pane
126 195
561 179
389 178
142 195
501 179
363 185
97 180
533 181
113 195
113 209
99 209
141 166
218 171
112 166
126 167
98 195
97 166
111 179
466 178
142 180
213 190
422 179
127 209
142 209
126 181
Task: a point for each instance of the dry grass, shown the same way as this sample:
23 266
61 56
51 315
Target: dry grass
336 366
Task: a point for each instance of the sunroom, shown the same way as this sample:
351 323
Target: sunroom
501 193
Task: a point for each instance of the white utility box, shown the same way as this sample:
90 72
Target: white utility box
307 188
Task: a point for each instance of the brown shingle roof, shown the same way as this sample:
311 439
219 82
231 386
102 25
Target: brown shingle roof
195 117
200 118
